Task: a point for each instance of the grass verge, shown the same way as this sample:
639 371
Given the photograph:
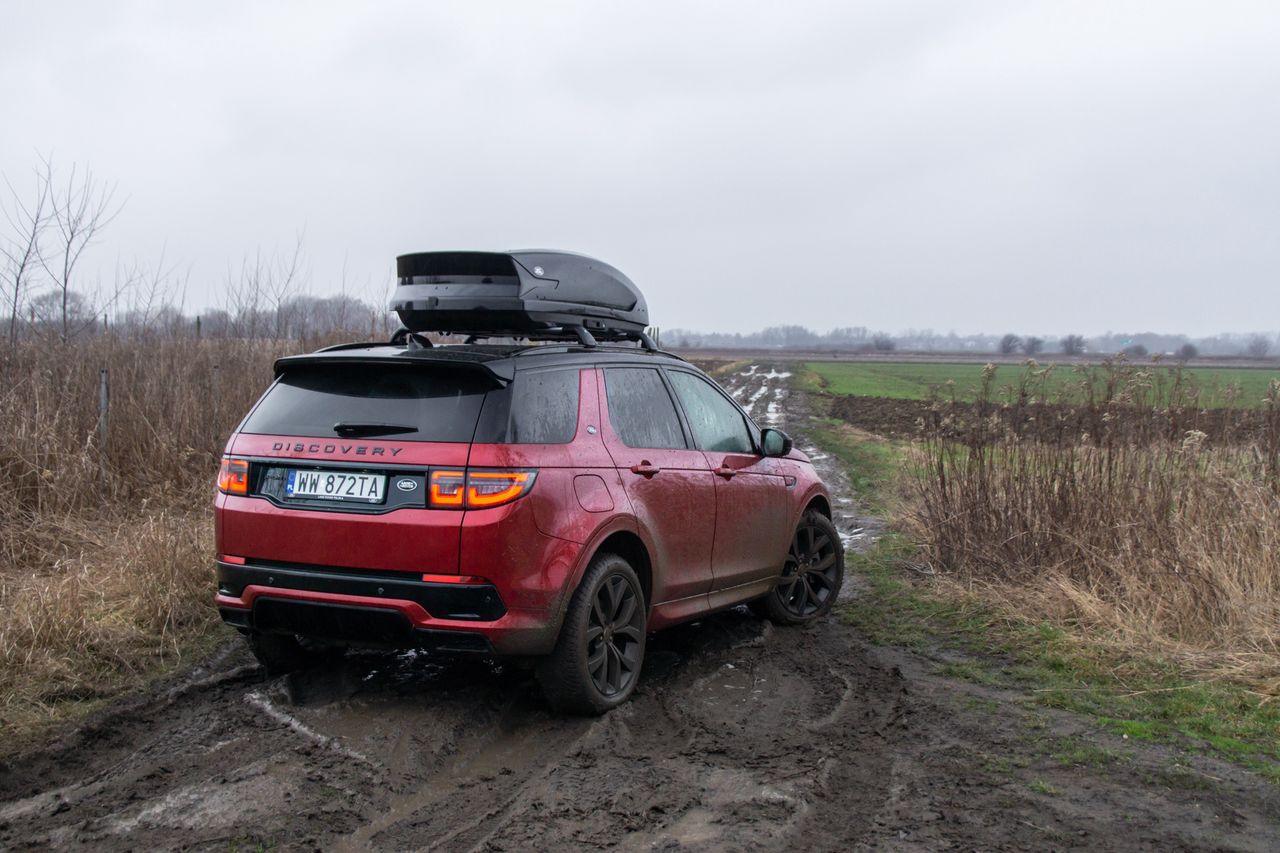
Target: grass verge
870 461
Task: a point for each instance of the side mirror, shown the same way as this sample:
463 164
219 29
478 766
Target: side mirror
775 442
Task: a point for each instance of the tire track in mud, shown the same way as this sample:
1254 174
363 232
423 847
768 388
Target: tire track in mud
720 749
764 393
740 737
733 739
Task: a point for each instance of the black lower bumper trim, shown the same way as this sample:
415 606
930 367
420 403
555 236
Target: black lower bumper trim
331 621
372 625
452 641
236 616
470 602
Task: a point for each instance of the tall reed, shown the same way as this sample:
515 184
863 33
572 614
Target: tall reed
1111 514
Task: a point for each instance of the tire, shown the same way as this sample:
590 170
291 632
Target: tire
811 576
597 659
280 654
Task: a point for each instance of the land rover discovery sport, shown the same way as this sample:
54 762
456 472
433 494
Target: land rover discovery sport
558 499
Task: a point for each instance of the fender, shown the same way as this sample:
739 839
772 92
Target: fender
814 490
620 523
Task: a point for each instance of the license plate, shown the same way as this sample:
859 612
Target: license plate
335 486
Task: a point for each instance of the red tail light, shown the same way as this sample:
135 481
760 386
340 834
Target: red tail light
478 489
448 489
492 488
233 476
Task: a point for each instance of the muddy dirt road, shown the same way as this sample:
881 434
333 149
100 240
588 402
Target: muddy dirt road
740 737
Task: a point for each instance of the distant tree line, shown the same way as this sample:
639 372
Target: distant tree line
784 337
860 339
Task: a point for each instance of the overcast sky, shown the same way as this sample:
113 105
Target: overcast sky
1032 166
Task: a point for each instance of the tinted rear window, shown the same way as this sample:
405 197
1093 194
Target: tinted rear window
438 404
544 409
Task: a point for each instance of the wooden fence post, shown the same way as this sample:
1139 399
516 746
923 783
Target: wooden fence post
104 406
215 383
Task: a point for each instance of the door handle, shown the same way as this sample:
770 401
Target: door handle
726 472
645 469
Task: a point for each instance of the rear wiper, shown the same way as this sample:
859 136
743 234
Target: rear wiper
349 429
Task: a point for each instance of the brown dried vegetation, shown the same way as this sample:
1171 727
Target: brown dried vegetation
1107 509
105 552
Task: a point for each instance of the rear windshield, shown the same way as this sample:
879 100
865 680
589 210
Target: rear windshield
421 404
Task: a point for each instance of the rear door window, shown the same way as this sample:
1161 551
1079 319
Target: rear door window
641 410
421 403
544 407
716 423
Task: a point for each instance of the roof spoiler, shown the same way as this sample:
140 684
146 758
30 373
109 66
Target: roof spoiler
501 371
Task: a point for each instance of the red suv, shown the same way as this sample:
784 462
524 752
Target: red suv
558 500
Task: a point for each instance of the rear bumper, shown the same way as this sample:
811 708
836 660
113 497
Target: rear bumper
459 601
374 625
383 608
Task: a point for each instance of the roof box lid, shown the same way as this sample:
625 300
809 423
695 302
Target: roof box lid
528 293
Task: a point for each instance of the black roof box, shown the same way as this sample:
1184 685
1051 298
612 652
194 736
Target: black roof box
535 293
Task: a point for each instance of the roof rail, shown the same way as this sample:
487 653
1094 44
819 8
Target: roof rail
570 331
569 346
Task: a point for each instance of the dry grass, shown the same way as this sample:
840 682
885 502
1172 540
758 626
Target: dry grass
134 594
105 553
1162 542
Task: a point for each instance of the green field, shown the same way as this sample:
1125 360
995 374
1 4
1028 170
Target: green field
921 380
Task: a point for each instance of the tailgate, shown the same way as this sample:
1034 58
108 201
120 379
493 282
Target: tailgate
397 532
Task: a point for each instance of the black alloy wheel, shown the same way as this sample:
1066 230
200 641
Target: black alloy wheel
811 575
615 636
598 656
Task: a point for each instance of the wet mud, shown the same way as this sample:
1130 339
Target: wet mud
741 736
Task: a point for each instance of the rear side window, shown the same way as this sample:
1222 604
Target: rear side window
544 407
640 408
422 404
716 423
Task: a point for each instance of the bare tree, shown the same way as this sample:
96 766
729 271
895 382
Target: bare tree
260 299
1031 345
1009 344
243 301
283 284
1073 345
157 299
1259 346
27 221
1186 352
48 310
79 210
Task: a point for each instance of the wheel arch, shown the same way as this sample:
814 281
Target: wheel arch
621 536
630 547
820 503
